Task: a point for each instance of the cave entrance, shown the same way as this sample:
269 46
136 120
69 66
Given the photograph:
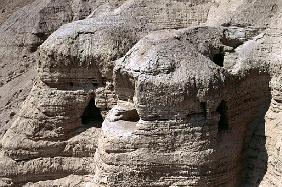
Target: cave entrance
223 123
131 116
91 116
218 58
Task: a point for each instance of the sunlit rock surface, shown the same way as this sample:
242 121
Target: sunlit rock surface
141 93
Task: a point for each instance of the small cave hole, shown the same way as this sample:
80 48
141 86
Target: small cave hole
71 83
131 115
223 123
218 58
91 116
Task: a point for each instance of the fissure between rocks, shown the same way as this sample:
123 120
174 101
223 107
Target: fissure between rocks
223 123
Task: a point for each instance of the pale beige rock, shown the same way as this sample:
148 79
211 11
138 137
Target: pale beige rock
21 34
151 93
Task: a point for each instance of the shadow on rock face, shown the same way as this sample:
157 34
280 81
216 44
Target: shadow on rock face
256 160
255 156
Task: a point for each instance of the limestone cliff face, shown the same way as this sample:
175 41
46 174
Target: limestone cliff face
21 34
146 93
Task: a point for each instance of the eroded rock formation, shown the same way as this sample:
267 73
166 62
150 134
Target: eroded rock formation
143 93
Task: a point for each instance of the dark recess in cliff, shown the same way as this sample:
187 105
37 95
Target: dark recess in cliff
92 116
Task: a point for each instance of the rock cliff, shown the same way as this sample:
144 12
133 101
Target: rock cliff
141 93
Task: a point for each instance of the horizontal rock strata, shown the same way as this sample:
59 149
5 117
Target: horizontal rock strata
144 93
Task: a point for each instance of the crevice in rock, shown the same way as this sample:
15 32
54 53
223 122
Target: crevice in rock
92 116
40 37
204 108
223 123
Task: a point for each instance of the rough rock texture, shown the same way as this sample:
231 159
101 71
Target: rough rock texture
21 34
8 7
142 93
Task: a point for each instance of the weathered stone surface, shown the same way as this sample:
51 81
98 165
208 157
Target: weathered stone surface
145 93
21 34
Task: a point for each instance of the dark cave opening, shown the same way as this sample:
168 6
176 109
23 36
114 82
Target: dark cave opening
218 59
132 116
223 123
91 116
